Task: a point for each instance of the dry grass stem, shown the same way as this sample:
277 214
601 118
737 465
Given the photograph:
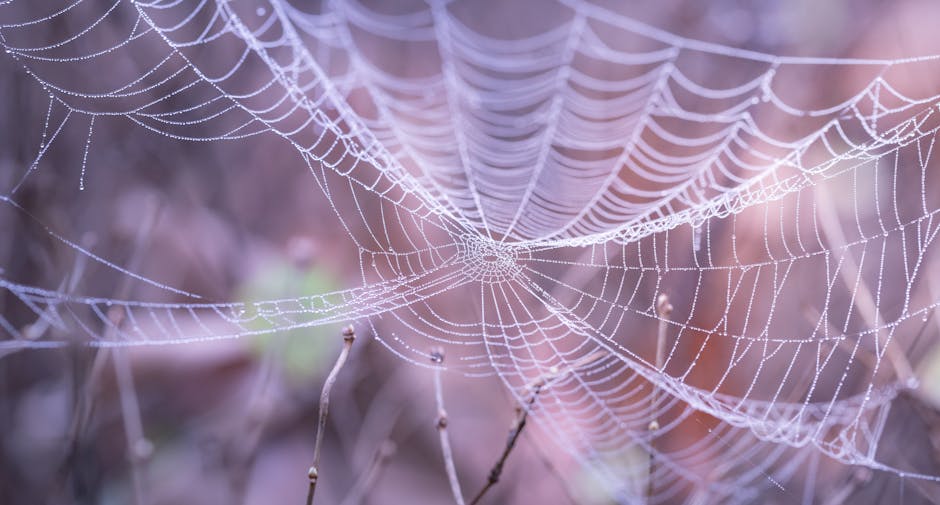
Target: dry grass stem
663 310
851 277
138 447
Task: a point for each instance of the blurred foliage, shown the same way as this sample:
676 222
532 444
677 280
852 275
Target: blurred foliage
589 485
305 352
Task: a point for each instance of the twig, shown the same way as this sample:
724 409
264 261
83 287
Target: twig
664 310
437 356
82 395
349 335
36 330
522 415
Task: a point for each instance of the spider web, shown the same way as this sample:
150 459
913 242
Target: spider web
561 180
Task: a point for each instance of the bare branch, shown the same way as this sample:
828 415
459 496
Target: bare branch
37 329
437 356
522 415
349 335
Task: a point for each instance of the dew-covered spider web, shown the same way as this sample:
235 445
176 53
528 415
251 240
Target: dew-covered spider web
524 201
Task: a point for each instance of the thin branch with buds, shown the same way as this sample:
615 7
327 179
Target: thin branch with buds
349 335
437 357
522 415
519 424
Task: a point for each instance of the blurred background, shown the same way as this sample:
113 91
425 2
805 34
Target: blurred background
234 421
